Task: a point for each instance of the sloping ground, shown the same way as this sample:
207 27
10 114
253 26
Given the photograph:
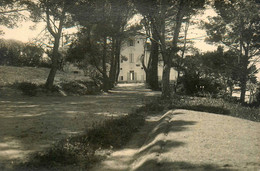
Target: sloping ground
189 140
11 74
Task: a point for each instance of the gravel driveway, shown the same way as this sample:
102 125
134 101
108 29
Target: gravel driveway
29 124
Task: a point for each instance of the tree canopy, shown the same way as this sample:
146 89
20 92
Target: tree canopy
237 27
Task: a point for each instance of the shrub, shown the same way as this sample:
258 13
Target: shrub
80 88
29 89
69 151
32 89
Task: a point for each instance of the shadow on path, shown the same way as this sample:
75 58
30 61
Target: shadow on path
29 124
151 165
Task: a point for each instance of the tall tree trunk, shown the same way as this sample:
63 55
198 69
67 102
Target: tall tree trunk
153 70
112 70
243 90
182 55
148 67
104 66
244 75
117 58
54 65
166 90
55 51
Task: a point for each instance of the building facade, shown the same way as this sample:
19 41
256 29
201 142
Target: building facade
131 69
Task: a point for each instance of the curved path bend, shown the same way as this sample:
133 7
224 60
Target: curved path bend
29 124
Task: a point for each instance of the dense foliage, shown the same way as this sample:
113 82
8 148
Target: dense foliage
213 73
15 53
237 27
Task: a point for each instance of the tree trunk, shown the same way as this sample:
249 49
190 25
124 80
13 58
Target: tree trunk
112 70
117 59
153 69
54 66
166 91
104 66
243 78
55 51
243 90
244 74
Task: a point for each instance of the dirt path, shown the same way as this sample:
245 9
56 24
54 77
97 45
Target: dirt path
29 124
189 140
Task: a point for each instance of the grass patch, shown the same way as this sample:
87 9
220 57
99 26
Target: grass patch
70 88
213 105
81 150
154 106
117 132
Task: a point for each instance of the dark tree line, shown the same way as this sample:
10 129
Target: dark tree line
15 53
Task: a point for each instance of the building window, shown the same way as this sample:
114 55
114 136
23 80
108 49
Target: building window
130 42
121 68
131 58
121 78
137 65
132 75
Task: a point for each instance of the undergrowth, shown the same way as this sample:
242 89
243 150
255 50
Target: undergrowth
214 105
81 150
70 88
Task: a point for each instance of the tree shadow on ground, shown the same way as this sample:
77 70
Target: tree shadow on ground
158 146
35 123
165 127
157 141
179 165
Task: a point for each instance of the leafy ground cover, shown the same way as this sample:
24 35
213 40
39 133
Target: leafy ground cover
213 105
84 150
205 104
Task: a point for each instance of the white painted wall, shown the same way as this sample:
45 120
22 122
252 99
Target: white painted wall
127 66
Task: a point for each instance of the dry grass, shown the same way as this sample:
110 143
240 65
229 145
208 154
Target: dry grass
11 74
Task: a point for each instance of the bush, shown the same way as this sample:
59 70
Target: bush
80 88
69 151
193 85
29 89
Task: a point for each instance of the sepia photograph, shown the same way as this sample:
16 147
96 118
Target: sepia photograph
129 85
